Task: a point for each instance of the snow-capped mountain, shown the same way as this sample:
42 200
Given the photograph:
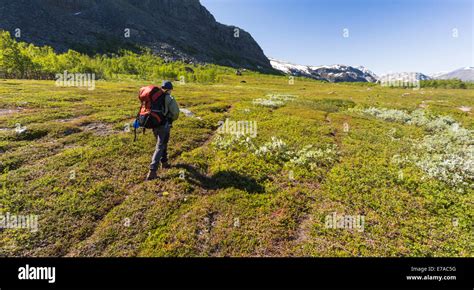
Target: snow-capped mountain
368 72
438 74
289 68
403 77
331 73
465 74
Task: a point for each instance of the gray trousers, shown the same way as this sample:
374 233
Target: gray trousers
162 135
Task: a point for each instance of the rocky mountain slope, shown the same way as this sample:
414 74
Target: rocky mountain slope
182 29
333 73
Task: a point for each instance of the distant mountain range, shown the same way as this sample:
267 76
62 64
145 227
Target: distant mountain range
465 74
403 76
331 73
345 73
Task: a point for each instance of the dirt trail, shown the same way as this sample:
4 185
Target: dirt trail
89 241
4 112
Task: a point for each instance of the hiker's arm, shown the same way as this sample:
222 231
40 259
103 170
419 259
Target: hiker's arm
173 109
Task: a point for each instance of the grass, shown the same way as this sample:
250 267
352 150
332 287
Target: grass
78 169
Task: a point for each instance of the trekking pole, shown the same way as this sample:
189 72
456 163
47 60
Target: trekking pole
136 124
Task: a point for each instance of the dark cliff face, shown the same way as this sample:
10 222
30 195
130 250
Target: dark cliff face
174 29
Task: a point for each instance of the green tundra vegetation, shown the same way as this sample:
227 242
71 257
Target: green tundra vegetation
400 158
447 84
26 61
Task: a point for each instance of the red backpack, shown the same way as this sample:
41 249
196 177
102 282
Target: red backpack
151 114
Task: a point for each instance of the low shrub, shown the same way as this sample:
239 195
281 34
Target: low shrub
445 153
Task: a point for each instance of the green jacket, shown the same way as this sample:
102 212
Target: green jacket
171 108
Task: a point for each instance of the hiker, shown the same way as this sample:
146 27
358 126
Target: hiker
162 132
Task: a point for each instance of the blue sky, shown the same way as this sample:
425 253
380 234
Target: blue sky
384 35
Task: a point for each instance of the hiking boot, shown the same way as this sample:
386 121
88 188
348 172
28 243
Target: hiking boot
165 165
151 175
